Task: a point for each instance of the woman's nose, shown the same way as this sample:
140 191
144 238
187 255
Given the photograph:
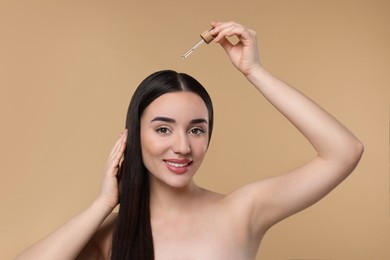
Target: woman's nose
181 144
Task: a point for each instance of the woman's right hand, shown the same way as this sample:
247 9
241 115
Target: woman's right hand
109 193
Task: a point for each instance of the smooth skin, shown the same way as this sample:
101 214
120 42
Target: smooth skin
189 222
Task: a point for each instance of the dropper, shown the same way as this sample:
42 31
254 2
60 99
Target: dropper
205 36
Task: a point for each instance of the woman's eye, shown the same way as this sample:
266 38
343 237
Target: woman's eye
197 131
163 130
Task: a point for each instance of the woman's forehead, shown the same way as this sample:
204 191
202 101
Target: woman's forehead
177 104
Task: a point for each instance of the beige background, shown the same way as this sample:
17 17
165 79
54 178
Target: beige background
68 69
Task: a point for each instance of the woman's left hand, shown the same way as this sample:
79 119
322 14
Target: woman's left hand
244 55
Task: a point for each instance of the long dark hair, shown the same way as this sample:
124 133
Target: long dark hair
132 237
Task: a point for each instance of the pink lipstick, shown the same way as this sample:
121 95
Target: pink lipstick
178 166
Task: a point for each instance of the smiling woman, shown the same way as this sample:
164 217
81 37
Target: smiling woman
165 112
163 213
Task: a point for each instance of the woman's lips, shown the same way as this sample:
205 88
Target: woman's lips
178 166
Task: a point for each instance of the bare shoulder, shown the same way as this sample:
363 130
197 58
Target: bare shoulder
245 202
239 200
243 196
234 213
221 204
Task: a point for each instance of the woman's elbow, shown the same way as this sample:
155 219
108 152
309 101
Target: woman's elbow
355 153
358 150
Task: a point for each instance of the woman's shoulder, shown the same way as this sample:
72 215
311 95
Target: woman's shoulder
244 201
236 197
245 193
234 213
238 200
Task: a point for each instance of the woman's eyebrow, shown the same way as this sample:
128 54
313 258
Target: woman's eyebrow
164 119
171 120
199 121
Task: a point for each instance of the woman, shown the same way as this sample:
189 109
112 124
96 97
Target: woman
163 213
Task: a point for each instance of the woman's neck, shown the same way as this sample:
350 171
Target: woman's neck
169 201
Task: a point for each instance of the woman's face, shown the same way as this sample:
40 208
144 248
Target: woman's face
174 138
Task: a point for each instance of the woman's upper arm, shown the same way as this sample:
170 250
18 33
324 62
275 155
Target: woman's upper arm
274 199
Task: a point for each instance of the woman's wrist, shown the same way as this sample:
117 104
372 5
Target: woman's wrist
102 206
255 74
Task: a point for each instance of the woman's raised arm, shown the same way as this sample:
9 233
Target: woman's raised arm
338 150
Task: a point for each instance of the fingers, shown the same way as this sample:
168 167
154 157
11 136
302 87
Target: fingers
226 44
243 54
122 138
122 132
221 30
117 151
